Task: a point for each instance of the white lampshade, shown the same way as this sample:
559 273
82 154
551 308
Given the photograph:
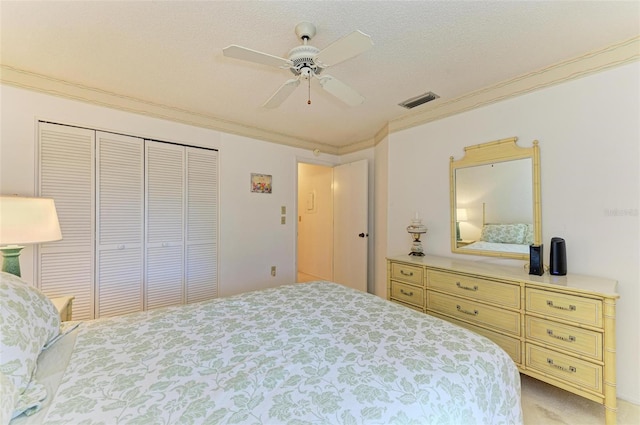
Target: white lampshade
28 220
461 214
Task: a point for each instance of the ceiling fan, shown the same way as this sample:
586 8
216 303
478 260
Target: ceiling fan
307 62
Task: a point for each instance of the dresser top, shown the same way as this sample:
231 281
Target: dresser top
581 283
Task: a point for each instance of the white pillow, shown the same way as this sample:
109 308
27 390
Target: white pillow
28 321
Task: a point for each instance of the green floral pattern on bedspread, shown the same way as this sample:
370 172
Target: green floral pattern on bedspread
315 353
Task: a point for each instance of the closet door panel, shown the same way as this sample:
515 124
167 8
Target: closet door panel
164 276
165 210
66 174
120 281
202 271
120 218
202 225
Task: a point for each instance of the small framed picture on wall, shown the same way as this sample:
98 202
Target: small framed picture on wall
261 183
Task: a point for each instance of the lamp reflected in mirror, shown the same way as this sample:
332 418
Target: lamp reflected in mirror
461 215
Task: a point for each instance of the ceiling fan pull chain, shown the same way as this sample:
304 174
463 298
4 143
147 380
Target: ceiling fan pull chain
309 95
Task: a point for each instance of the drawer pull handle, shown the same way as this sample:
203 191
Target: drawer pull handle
559 307
570 369
470 313
468 288
402 272
560 337
410 294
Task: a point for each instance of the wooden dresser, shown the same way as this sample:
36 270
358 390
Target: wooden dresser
558 329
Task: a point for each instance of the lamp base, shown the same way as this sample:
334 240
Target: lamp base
416 247
11 259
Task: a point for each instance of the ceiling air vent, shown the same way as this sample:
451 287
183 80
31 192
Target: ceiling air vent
419 100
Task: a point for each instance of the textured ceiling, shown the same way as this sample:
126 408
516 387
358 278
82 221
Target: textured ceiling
170 53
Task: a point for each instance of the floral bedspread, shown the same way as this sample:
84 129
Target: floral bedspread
314 353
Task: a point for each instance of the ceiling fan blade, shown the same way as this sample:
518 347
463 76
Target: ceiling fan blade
341 90
282 93
242 53
345 48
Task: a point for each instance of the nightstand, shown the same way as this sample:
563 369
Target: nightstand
63 304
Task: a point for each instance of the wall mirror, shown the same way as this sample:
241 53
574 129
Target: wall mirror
495 200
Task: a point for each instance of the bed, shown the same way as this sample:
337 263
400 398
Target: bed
312 353
510 237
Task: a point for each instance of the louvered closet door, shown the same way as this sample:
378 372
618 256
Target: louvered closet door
120 224
202 225
66 174
165 224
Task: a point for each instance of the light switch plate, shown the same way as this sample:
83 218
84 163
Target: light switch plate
283 209
283 220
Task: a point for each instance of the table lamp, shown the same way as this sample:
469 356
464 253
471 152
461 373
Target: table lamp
416 228
25 221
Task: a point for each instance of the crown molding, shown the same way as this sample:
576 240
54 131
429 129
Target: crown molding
66 89
367 143
358 146
612 56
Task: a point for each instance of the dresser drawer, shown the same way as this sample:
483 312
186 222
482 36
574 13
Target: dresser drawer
510 345
481 289
566 368
407 293
580 341
407 273
564 306
493 317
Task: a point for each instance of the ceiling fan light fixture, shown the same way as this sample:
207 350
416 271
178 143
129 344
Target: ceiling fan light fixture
306 62
419 100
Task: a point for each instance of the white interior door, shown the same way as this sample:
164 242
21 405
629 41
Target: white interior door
119 238
65 267
350 224
165 209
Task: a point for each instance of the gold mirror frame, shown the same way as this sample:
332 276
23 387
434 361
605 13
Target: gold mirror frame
489 153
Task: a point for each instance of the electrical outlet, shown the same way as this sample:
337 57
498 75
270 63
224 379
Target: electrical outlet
283 220
273 270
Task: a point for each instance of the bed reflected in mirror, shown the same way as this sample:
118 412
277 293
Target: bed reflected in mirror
495 200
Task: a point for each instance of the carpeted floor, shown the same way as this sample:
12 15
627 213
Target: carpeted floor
543 404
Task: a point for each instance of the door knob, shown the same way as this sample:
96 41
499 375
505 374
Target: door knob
362 235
